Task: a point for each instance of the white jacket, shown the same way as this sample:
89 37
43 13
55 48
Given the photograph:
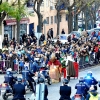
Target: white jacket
69 58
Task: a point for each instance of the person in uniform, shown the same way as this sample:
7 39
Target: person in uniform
27 76
65 90
19 91
82 88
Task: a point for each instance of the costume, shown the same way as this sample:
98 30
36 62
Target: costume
63 63
55 69
71 70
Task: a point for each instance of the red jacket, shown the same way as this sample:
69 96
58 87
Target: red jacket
96 49
56 62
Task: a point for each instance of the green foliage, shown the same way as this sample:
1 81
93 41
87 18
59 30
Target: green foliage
4 7
17 11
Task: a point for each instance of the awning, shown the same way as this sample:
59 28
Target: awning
14 22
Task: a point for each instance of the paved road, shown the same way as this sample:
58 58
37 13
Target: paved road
54 88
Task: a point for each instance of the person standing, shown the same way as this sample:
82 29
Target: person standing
51 32
63 32
5 42
42 38
65 91
48 34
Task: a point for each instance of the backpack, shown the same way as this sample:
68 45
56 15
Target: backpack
94 97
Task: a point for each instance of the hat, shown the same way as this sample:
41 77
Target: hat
9 69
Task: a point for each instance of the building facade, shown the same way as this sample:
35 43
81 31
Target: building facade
28 24
9 25
49 14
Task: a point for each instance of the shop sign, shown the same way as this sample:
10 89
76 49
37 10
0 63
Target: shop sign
14 22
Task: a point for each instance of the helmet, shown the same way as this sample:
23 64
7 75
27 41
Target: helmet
65 81
81 79
89 73
19 80
9 69
41 80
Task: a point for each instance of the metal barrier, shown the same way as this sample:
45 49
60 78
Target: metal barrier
86 61
4 64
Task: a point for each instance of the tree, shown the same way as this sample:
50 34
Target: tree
4 9
91 10
19 11
60 5
16 9
63 5
37 5
74 8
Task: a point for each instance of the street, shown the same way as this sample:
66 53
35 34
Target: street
54 88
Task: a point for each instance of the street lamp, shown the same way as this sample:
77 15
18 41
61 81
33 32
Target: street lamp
44 23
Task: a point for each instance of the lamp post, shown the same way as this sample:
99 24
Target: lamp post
44 23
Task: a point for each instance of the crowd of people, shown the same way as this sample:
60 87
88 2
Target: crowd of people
84 50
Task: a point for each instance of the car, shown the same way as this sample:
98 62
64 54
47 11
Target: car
90 32
76 33
95 29
62 38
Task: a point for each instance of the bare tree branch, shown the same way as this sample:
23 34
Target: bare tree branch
34 6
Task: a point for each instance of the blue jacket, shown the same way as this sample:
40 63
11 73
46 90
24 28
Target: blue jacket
21 63
31 66
27 75
29 56
99 38
4 56
39 50
9 78
90 80
35 66
82 88
18 91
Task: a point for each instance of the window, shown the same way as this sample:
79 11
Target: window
55 19
42 3
66 17
60 18
30 3
51 19
47 20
